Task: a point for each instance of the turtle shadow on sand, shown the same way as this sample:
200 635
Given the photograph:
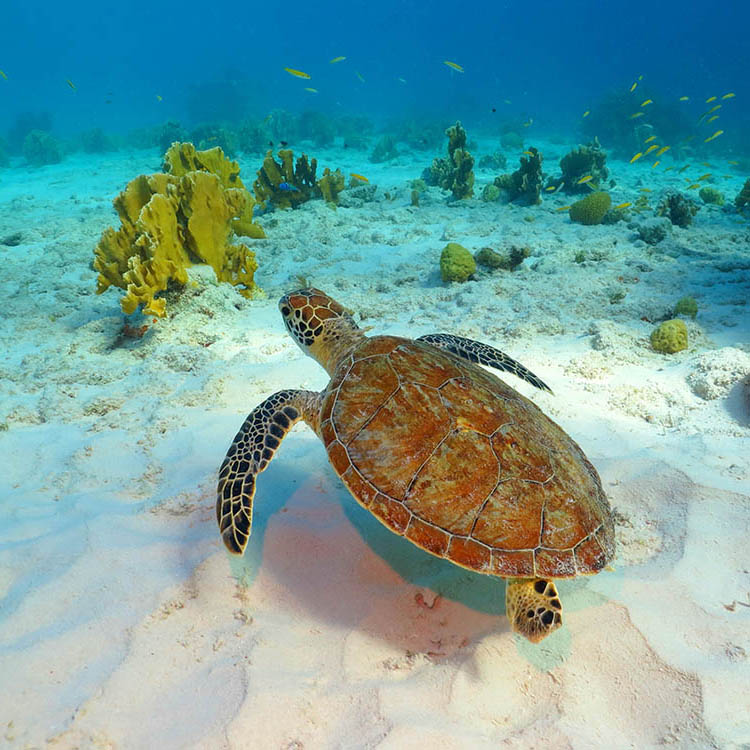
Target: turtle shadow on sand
329 558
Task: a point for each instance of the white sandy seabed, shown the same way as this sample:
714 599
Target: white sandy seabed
123 622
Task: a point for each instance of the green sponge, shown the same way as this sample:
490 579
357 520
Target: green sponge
591 209
456 263
670 337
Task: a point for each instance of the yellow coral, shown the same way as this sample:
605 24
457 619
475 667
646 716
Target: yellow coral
183 158
331 184
168 222
299 178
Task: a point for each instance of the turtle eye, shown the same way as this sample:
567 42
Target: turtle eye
285 311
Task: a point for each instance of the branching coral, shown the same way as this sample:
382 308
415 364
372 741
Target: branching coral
743 197
169 222
581 162
285 184
677 208
525 184
456 173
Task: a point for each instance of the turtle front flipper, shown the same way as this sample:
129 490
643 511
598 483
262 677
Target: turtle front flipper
251 450
483 354
533 607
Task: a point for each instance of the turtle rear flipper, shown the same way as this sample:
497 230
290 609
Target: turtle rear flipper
483 354
533 607
251 450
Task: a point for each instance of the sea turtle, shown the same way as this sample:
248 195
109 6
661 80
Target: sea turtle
441 451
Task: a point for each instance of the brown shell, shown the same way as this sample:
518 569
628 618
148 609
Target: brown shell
448 455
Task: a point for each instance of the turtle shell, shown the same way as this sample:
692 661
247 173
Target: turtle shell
448 455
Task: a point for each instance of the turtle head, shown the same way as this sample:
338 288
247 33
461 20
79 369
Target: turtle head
322 328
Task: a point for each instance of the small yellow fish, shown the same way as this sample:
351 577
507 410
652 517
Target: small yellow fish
733 163
338 59
651 148
529 122
730 95
707 164
550 188
70 83
655 164
711 137
359 75
2 73
297 73
627 204
311 90
682 169
637 115
267 118
711 119
632 88
587 113
713 109
360 177
704 177
668 169
711 99
453 65
684 98
663 150
585 179
693 186
649 139
640 78
648 101
564 208
636 157
645 190
159 98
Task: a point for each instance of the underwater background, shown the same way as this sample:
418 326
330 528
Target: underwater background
566 182
225 61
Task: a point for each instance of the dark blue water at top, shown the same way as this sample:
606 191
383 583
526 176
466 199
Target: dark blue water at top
550 60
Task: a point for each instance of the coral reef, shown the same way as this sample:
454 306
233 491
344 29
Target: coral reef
686 306
285 184
507 261
677 208
211 135
711 195
591 209
330 185
456 263
169 222
168 133
581 162
96 141
670 337
653 230
490 193
23 124
456 173
525 184
182 158
385 150
40 148
743 197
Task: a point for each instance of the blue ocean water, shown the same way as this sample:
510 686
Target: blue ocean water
225 60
